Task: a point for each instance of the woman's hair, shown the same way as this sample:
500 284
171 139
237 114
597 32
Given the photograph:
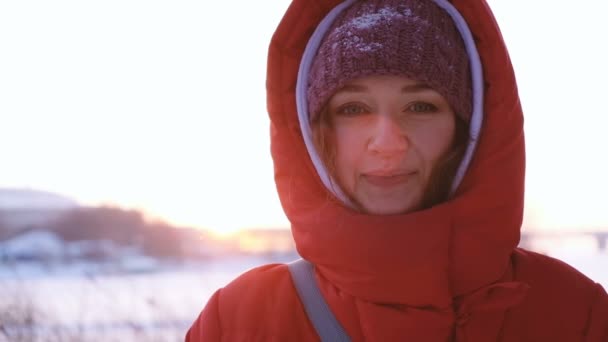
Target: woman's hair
442 176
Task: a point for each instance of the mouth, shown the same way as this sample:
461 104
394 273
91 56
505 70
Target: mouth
388 179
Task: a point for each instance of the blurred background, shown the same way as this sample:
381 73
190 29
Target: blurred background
135 171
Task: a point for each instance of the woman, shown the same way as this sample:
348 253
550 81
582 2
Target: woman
397 138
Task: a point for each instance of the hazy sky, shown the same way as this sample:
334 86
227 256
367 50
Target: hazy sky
160 105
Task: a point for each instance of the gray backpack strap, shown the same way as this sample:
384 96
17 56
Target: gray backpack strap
319 313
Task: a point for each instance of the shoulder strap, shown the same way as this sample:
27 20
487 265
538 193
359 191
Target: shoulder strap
319 313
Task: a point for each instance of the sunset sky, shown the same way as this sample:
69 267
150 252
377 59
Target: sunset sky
160 106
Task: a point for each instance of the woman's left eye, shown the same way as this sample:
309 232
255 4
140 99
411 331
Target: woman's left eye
422 107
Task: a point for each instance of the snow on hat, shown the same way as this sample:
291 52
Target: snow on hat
412 38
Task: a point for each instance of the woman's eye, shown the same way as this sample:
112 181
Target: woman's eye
351 110
422 107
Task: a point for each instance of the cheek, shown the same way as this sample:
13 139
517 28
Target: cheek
434 142
349 152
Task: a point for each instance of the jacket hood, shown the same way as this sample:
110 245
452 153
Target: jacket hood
420 259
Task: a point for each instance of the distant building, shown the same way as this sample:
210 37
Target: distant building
35 245
94 250
11 199
582 239
22 209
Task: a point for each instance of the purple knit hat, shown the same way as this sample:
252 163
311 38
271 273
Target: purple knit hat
412 38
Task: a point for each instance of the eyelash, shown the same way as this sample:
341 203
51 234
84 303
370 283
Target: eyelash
414 107
342 110
429 107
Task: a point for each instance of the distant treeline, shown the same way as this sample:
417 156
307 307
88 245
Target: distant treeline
123 227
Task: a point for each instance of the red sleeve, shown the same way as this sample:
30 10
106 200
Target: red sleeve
206 328
597 328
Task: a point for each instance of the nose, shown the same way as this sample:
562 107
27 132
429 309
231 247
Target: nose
387 137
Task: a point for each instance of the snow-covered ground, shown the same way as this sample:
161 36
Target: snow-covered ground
83 303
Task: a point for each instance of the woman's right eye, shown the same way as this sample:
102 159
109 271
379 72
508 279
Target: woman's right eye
351 109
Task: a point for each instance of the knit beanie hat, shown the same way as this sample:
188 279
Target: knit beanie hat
412 38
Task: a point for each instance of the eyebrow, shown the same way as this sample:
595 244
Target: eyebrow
410 88
416 87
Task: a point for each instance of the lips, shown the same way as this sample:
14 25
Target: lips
387 179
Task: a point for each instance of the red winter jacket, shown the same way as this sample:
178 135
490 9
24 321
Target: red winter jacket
449 273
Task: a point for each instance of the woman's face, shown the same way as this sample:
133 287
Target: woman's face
388 133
